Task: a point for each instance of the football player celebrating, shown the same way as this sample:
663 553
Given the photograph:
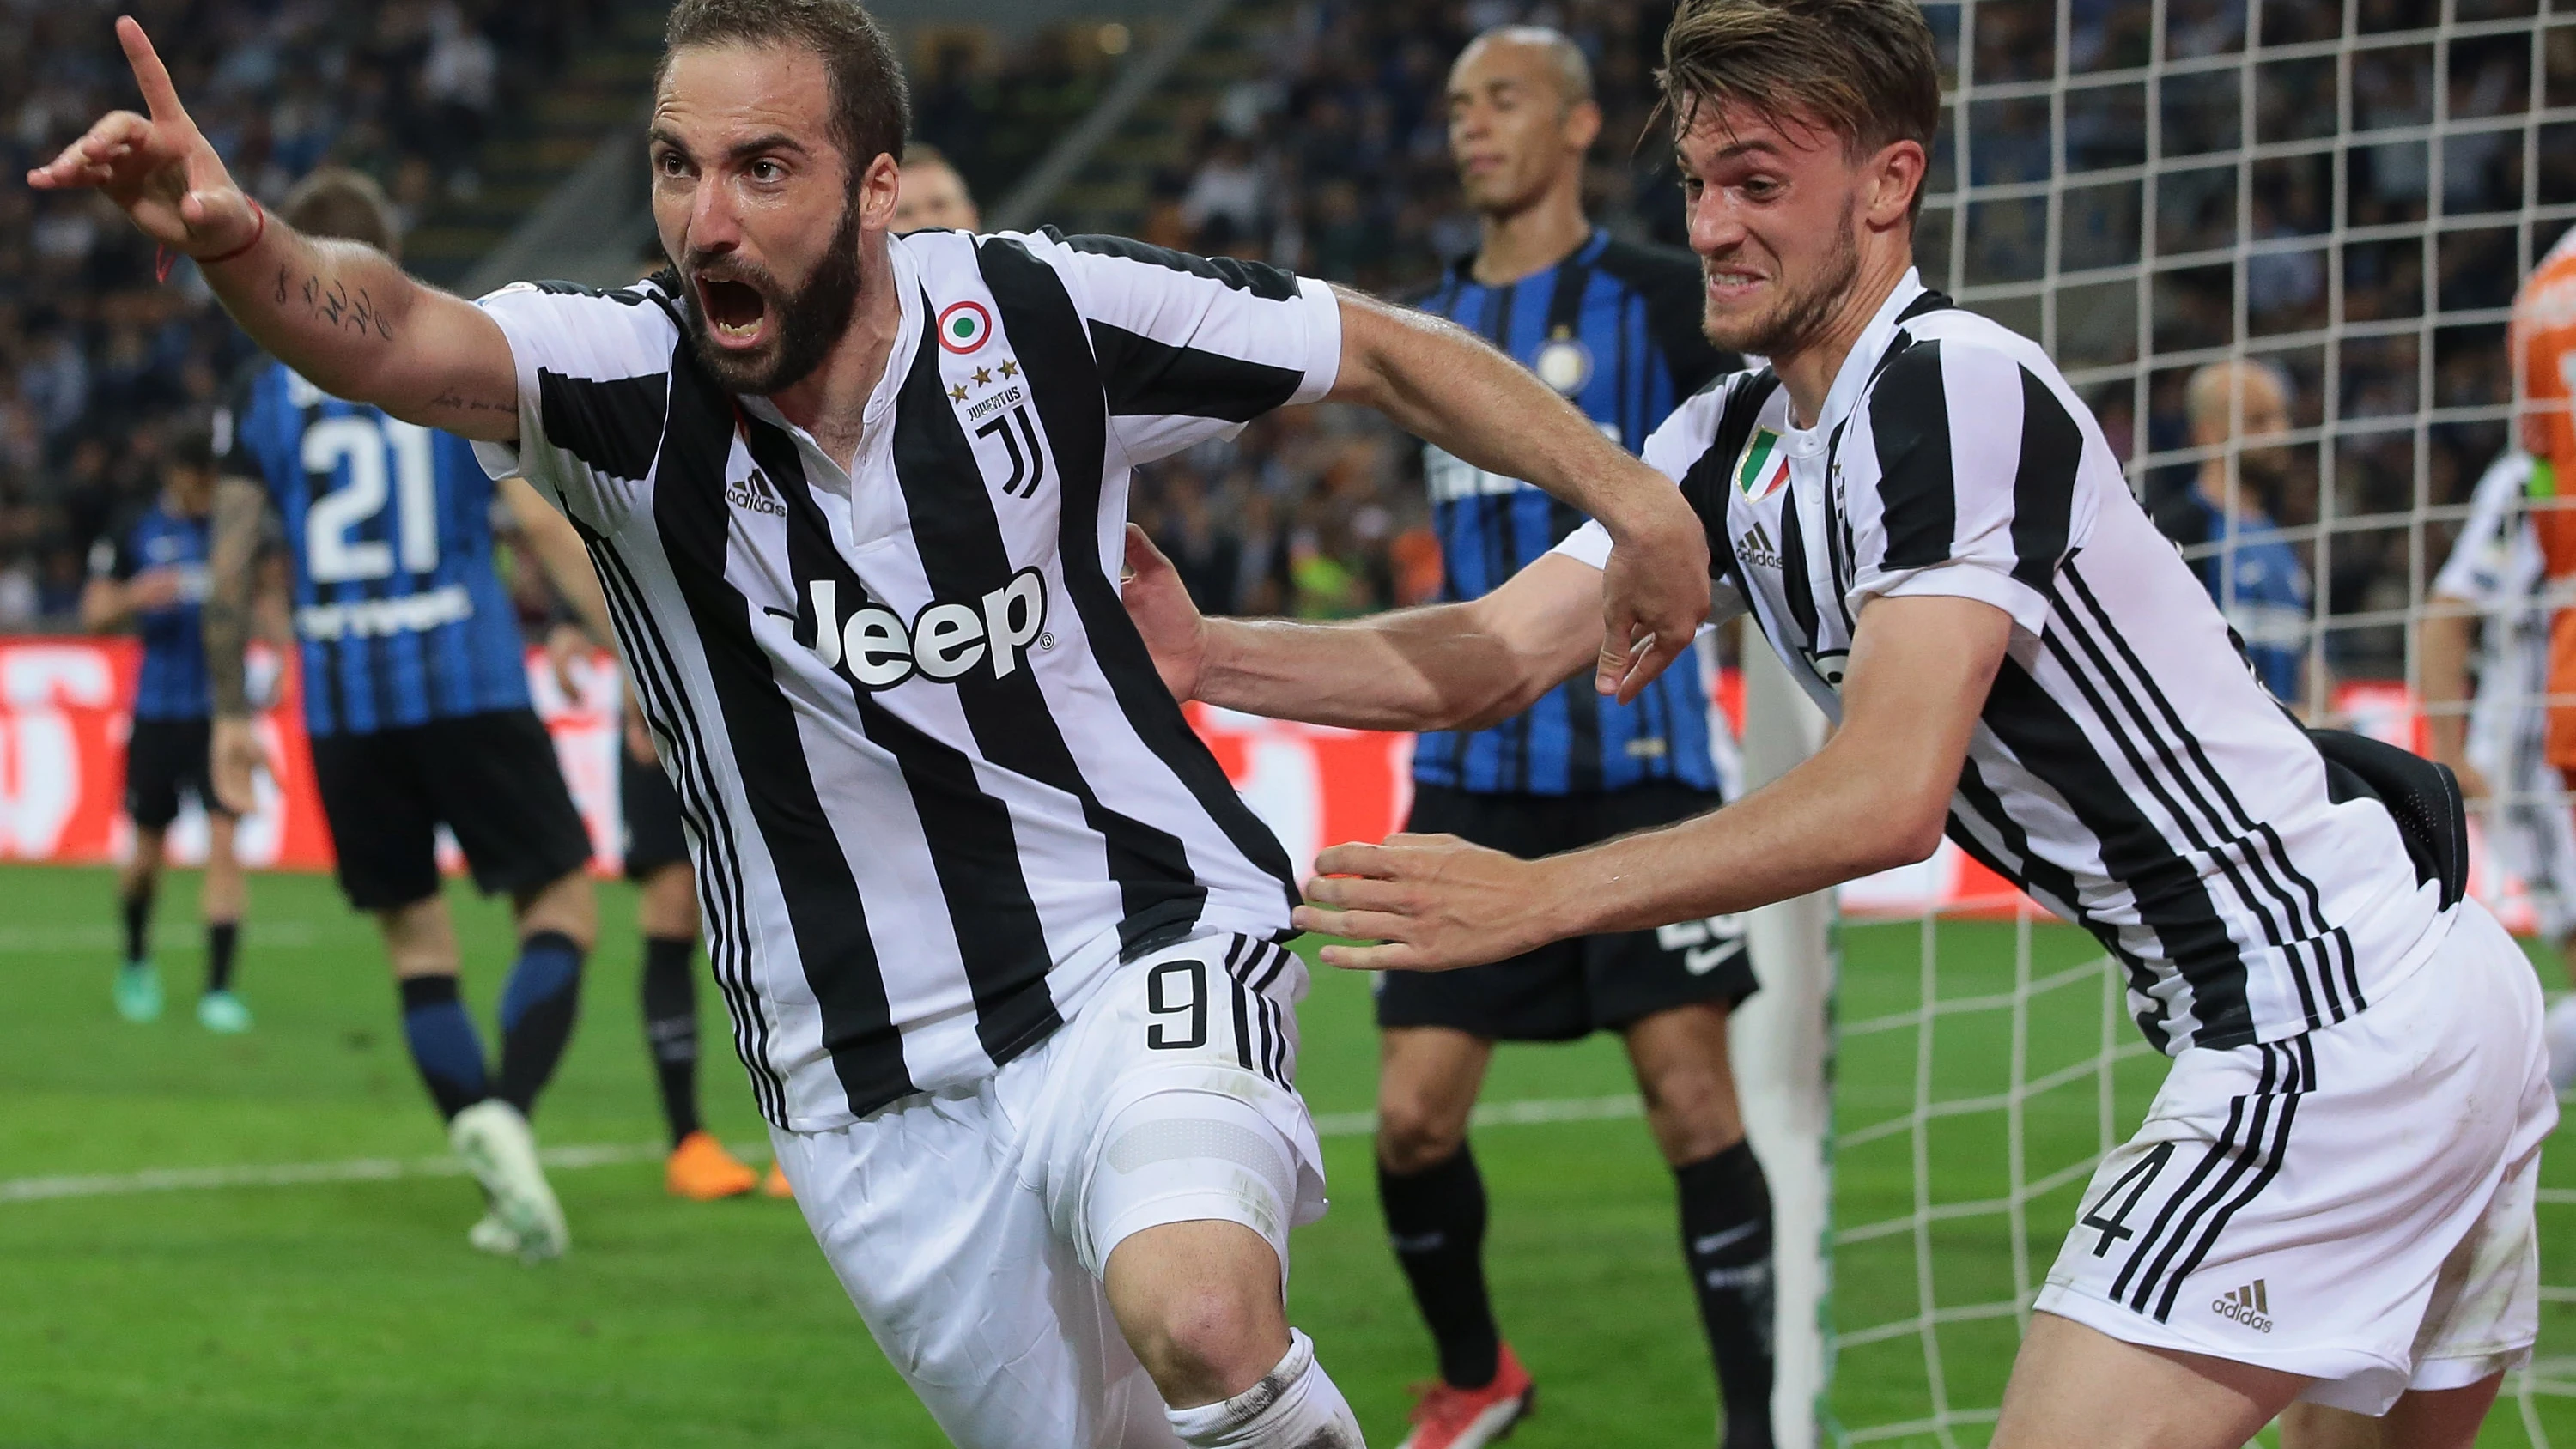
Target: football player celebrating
1001 944
2331 1197
1614 327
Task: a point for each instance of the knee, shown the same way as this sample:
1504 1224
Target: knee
1692 1111
1415 1133
568 905
1209 1343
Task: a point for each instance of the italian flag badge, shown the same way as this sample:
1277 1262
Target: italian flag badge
1764 466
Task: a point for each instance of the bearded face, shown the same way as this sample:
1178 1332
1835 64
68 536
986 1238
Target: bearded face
756 334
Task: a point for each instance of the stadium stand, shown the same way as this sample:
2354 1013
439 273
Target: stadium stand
1332 158
465 109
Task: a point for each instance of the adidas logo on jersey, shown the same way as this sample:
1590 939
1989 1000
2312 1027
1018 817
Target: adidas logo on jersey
2247 1305
755 495
944 642
1756 550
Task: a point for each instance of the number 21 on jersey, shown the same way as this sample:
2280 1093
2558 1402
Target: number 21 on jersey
376 461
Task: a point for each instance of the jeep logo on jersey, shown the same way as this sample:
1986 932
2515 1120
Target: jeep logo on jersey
945 641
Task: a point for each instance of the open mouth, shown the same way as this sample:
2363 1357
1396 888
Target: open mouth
736 312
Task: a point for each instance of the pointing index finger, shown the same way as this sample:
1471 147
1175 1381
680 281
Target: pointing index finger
159 96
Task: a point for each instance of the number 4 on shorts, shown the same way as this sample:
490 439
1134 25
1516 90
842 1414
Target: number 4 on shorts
2135 1182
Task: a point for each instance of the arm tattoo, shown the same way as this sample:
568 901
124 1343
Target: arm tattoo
454 401
232 566
334 305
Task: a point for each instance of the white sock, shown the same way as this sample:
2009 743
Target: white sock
1295 1406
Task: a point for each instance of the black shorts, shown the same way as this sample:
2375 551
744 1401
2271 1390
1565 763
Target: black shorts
164 759
490 778
1569 989
654 841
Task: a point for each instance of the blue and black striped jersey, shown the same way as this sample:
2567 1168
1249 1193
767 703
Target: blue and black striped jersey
172 684
402 618
1615 328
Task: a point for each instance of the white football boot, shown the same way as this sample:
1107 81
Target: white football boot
497 1146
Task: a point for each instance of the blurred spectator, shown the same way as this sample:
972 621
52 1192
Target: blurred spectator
93 354
931 193
2254 574
993 109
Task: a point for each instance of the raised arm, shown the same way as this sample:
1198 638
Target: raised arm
1450 666
1445 386
341 314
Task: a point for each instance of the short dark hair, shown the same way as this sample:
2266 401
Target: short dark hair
336 201
871 106
1863 69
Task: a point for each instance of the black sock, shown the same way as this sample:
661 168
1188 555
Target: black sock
136 910
222 938
444 1044
1436 1220
671 1028
537 1008
1726 1240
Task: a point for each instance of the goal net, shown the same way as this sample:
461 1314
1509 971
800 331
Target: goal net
2345 192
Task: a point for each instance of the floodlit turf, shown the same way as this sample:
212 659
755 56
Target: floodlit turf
352 1312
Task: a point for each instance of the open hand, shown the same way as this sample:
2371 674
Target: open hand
159 169
1161 609
1437 902
1654 593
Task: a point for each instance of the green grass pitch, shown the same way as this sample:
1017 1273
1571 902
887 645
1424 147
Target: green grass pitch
332 1313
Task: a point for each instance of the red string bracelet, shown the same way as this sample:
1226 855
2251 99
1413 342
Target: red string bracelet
164 259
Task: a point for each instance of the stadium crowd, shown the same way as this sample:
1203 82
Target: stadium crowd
1334 160
96 361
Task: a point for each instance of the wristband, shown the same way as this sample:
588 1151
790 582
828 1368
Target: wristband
165 258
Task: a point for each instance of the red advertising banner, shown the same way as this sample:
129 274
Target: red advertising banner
64 720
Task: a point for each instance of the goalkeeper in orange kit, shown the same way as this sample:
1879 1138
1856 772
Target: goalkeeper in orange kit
2544 349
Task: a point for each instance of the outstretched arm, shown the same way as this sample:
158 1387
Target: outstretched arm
1874 797
1449 666
1445 386
341 314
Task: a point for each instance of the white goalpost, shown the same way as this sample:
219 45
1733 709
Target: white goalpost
2346 192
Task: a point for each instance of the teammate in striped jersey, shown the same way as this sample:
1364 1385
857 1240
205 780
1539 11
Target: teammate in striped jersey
1001 943
153 576
1613 326
2492 593
2331 1198
416 705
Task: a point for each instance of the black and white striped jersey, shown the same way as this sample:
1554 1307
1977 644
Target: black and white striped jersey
933 786
2128 771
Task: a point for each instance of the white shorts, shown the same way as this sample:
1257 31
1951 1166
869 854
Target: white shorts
2353 1205
971 1226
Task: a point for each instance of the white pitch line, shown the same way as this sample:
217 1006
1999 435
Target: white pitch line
1528 1113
